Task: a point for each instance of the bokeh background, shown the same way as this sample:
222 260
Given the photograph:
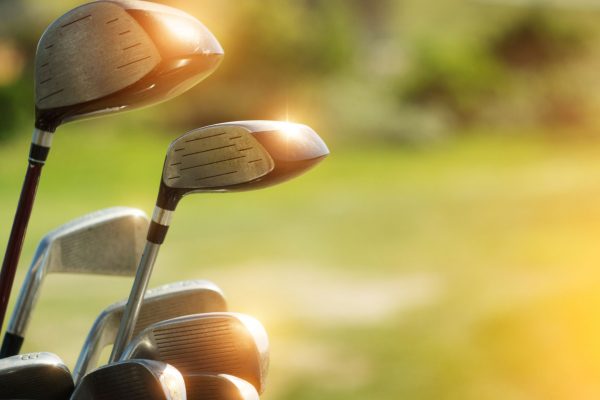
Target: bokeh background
447 249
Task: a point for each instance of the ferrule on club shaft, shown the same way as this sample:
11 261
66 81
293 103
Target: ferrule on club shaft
159 226
40 146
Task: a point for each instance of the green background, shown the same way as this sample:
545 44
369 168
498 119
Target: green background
447 249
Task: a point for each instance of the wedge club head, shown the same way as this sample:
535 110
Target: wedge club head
113 55
106 242
132 379
165 302
34 376
212 343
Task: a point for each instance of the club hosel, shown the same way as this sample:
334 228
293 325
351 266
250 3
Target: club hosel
40 146
159 226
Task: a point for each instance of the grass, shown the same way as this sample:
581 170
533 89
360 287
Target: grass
468 270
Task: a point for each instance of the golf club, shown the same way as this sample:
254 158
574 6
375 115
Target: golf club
79 247
34 376
218 387
212 343
132 379
165 302
226 157
105 57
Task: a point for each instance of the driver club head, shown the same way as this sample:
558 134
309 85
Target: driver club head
132 379
114 55
211 343
161 303
34 376
236 156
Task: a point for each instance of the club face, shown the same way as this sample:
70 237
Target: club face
221 387
213 343
132 379
162 303
107 242
35 376
237 156
109 56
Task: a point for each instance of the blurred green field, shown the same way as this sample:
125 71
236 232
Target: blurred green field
464 270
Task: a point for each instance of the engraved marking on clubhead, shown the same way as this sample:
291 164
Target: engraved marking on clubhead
215 157
90 37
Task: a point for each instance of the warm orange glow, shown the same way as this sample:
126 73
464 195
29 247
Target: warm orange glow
173 381
181 29
291 130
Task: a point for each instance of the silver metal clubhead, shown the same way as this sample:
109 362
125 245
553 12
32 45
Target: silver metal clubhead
106 242
218 387
112 55
161 303
34 376
213 343
132 379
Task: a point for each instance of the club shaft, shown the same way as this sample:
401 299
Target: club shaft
17 235
134 303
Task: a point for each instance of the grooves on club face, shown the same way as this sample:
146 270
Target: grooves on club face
111 55
161 303
34 376
132 379
213 343
237 156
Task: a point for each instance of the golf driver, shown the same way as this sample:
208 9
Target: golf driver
105 57
218 387
225 157
106 242
132 379
165 302
212 343
34 376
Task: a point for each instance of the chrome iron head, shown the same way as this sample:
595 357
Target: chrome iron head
212 343
162 303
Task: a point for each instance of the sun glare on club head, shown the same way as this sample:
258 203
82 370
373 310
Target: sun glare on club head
182 29
171 378
291 130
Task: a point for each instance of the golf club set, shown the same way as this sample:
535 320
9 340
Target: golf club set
177 341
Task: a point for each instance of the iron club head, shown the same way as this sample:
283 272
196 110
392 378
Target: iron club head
34 376
161 303
106 242
113 55
212 343
132 379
